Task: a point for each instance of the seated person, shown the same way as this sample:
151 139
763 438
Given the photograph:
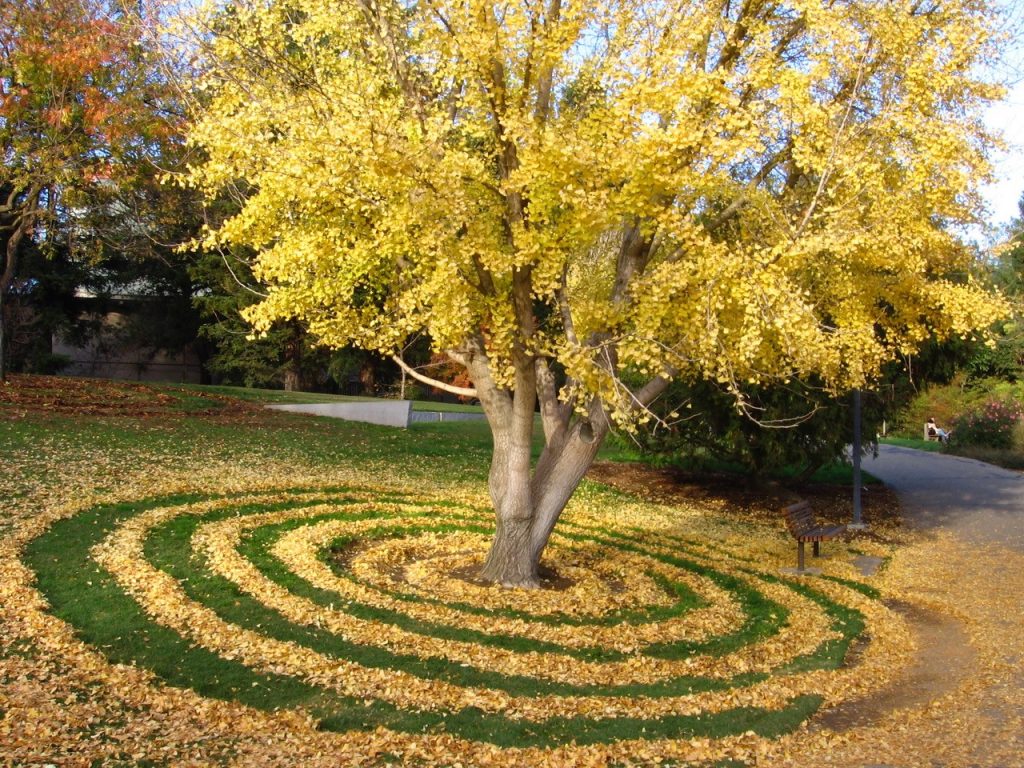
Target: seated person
934 429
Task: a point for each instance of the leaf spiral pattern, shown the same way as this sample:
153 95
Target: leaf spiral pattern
359 607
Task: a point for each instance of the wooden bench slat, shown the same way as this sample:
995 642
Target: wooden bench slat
824 530
803 527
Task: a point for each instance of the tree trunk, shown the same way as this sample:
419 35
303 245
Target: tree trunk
526 509
3 340
23 227
528 505
6 280
559 471
292 380
368 379
509 561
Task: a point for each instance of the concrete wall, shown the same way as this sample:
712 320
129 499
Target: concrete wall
426 416
388 413
107 357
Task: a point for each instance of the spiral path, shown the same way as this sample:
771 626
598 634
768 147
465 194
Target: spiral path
359 607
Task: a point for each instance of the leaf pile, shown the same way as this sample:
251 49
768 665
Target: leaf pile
26 394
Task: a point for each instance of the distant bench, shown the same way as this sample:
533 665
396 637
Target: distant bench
803 527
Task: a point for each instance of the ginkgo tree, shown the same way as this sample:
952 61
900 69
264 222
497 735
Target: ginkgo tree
581 201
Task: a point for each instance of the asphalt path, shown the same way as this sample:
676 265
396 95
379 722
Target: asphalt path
976 501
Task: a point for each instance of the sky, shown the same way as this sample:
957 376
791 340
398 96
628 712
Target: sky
1008 118
1002 196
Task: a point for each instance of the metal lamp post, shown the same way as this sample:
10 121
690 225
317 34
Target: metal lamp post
857 524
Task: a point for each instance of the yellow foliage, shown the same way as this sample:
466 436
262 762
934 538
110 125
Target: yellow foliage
794 173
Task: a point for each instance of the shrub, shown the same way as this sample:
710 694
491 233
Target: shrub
989 425
1018 437
714 436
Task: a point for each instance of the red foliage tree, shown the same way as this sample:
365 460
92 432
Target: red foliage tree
76 96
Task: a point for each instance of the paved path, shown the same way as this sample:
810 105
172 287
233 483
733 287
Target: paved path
976 501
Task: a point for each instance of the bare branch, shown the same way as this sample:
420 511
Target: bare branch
234 275
26 220
734 207
650 391
445 387
827 171
751 411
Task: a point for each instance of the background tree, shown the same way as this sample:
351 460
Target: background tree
76 112
798 428
1004 359
283 357
580 202
128 237
286 355
41 302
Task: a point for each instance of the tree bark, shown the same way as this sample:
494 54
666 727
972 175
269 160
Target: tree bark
6 279
527 508
22 224
3 340
558 474
292 381
293 352
509 561
529 504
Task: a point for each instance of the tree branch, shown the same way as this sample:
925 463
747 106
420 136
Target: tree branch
830 163
568 325
24 227
632 261
451 388
484 277
554 414
649 391
546 77
734 207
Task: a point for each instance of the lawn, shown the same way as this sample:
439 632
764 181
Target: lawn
188 578
933 446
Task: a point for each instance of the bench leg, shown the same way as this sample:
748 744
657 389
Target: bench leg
816 552
800 556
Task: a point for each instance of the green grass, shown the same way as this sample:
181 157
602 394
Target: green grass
933 446
452 450
1007 458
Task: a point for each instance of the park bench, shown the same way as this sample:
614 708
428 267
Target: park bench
930 433
803 527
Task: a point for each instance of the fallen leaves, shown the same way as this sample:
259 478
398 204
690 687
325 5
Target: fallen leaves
62 700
